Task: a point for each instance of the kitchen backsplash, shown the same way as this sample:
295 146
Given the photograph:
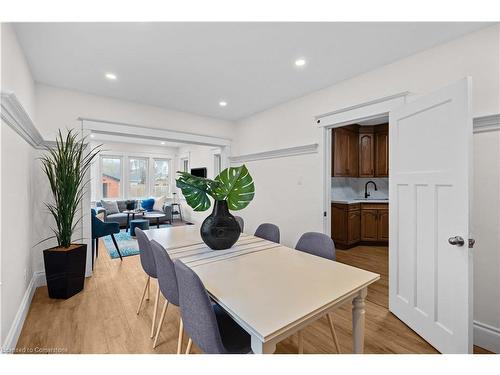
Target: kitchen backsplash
345 188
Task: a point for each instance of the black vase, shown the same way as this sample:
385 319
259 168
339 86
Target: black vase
220 230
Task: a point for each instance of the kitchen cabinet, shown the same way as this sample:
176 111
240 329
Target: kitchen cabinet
360 151
369 225
381 151
375 222
366 151
346 224
359 223
345 152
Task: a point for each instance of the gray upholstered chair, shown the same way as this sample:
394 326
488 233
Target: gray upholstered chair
240 221
149 267
268 232
207 324
167 282
320 245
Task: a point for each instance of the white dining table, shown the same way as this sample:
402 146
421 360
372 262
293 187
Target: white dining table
270 290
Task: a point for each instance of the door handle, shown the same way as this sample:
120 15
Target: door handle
457 240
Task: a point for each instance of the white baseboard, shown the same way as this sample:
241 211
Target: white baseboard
38 279
487 337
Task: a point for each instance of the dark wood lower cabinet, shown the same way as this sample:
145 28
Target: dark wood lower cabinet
354 224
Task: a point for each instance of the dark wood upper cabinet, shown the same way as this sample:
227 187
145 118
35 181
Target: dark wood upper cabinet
382 151
366 151
345 152
360 151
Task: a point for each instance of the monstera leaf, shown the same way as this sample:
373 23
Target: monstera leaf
236 186
196 190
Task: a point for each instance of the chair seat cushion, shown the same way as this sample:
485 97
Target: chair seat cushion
235 339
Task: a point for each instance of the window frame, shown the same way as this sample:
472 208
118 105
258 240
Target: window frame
147 183
122 180
169 175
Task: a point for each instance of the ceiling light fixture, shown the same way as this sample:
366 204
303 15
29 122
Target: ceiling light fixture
110 76
222 103
162 143
92 135
300 62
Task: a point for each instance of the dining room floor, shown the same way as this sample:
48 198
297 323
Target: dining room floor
102 318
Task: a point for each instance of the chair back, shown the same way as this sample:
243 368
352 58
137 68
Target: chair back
165 273
145 253
197 312
318 244
268 232
240 221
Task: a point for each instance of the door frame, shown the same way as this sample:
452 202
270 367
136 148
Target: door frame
346 116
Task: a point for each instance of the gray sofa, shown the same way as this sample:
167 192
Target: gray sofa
121 218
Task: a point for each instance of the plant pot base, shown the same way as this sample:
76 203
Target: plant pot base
65 270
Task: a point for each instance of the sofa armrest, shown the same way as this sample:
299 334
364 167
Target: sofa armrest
98 210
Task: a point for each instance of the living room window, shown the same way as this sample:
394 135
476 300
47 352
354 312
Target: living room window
161 179
111 176
137 177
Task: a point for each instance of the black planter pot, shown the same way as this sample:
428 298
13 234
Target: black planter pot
220 230
65 270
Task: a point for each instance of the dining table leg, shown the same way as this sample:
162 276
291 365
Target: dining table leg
259 347
358 321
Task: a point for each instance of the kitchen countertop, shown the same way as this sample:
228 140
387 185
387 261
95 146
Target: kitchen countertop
360 200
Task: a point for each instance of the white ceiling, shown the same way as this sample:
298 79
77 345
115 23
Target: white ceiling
192 66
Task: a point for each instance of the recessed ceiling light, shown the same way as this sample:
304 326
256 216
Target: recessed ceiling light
300 62
162 143
222 103
110 76
92 135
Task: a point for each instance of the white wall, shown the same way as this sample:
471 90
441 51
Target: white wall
16 195
296 182
199 157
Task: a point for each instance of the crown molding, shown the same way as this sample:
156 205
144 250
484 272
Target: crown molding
278 153
488 123
14 115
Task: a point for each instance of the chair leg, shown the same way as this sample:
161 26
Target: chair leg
181 336
300 342
96 248
160 323
143 294
188 349
116 245
334 334
93 252
155 311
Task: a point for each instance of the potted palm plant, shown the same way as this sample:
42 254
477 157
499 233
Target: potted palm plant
66 166
233 189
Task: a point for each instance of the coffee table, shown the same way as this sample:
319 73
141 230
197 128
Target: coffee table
133 213
154 215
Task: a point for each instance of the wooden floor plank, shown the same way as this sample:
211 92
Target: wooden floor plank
102 318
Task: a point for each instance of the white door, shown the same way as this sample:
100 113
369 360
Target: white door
430 279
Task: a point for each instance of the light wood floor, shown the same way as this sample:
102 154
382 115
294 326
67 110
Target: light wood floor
102 318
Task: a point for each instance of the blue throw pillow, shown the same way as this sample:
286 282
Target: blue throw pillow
148 204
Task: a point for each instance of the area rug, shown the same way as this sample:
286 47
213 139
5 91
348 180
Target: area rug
128 244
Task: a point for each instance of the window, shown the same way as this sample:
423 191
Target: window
138 176
161 185
111 175
217 165
185 164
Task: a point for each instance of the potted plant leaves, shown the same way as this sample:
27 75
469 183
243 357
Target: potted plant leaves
66 166
233 189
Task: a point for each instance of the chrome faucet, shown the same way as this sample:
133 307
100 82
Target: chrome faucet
367 194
